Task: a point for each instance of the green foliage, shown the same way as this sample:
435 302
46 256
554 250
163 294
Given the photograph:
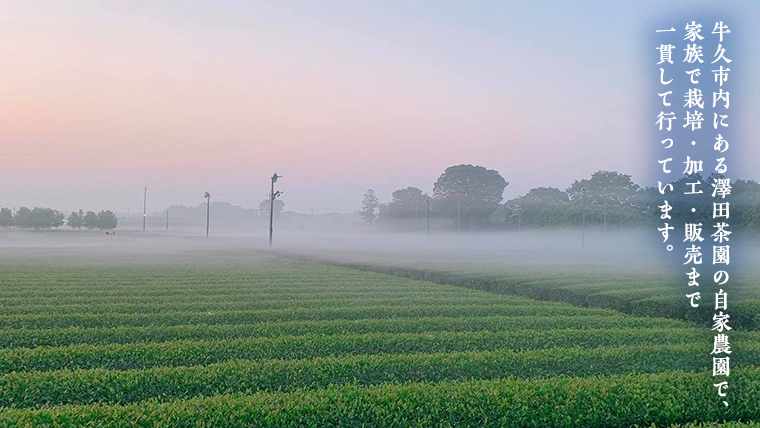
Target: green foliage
605 187
6 218
472 191
90 220
38 218
407 203
370 207
76 219
36 389
652 295
47 218
107 220
261 341
185 353
637 399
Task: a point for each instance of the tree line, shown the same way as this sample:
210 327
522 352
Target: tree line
470 198
48 218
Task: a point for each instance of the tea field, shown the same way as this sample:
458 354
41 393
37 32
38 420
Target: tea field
245 339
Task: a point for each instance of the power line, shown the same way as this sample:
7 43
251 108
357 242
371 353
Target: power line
201 193
68 190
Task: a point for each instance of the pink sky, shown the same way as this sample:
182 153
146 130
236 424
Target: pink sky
338 99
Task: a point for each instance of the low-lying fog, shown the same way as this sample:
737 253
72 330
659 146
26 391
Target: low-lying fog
615 251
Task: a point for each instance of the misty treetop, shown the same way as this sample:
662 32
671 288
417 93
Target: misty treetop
605 187
407 203
102 220
610 199
469 193
48 218
279 207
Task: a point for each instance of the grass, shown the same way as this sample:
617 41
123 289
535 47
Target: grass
652 294
245 339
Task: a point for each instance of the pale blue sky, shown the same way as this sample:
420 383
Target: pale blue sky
339 96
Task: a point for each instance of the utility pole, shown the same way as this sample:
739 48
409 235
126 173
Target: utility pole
428 218
207 195
459 209
145 206
127 214
621 227
605 214
583 230
519 219
272 195
415 218
167 219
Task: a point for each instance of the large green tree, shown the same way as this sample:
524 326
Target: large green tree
107 220
407 202
609 187
472 191
90 220
38 218
6 217
75 219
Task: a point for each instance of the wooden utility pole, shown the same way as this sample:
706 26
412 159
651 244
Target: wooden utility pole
272 195
428 218
207 195
145 206
583 229
519 220
459 209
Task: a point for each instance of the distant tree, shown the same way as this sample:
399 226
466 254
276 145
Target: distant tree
107 220
23 218
6 217
38 218
543 195
406 202
609 187
75 219
382 214
534 209
370 206
279 206
747 216
473 190
90 220
57 218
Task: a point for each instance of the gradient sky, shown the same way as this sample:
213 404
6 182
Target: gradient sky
338 96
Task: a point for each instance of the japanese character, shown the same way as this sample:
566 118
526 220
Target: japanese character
721 345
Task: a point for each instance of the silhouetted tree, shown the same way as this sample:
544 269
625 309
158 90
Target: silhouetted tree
609 187
6 217
90 220
474 190
38 218
405 202
107 220
370 206
75 219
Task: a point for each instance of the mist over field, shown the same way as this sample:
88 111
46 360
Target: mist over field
615 252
